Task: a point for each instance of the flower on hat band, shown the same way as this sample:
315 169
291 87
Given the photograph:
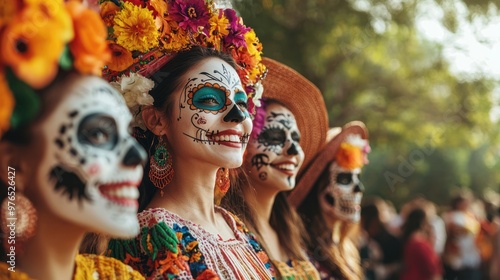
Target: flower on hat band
352 153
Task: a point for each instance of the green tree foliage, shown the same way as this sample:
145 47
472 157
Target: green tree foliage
372 65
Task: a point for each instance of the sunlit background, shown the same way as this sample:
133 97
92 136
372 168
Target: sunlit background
422 74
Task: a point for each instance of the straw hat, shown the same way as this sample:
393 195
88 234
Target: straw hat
310 174
303 99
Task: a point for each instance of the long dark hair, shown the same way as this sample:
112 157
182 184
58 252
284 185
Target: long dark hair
284 219
320 244
415 221
167 80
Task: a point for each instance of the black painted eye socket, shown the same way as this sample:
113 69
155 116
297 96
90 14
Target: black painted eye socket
98 130
295 136
344 178
272 137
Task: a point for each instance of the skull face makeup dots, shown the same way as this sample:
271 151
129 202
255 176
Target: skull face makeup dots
342 197
212 115
275 155
92 165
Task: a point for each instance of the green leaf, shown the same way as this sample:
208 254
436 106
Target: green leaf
66 59
27 101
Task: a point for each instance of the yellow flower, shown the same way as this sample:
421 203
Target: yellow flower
254 47
135 28
173 38
7 104
218 29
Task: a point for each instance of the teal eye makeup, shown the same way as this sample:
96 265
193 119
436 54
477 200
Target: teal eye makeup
209 98
241 99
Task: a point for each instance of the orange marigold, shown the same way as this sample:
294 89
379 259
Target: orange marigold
7 104
32 49
121 58
108 12
349 156
89 47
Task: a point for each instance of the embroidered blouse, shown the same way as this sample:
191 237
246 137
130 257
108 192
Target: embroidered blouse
87 267
295 269
170 247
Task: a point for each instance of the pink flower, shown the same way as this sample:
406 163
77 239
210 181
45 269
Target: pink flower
191 15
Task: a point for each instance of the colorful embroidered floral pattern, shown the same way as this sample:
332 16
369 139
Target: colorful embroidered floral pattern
253 241
87 267
66 35
161 28
159 246
183 257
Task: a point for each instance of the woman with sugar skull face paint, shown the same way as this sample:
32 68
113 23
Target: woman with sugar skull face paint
69 164
328 197
288 130
195 120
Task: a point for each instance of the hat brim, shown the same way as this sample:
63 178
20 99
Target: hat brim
310 174
303 99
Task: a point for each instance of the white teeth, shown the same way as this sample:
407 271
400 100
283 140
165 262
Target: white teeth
226 138
125 192
289 167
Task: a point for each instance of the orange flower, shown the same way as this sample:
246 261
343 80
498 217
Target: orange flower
8 9
89 47
33 48
121 58
349 156
108 12
7 104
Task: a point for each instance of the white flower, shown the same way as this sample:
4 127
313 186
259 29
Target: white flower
259 89
135 90
356 140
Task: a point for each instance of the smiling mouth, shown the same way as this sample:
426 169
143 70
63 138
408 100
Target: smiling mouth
230 139
349 207
286 168
122 193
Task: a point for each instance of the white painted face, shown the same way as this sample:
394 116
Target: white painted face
275 156
341 199
92 165
212 122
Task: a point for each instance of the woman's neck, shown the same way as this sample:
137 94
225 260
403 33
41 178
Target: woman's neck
190 194
51 253
262 201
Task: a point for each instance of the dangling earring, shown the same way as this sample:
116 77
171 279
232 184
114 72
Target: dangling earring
222 184
19 219
161 171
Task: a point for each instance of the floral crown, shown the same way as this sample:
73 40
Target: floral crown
38 38
145 34
353 152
